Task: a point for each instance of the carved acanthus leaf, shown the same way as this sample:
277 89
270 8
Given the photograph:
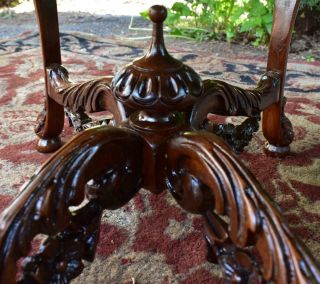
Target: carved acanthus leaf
224 99
107 157
221 98
206 178
236 136
91 96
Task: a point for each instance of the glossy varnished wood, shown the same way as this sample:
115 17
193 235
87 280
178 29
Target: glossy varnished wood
206 178
92 96
157 81
50 122
276 126
104 164
221 98
159 104
137 86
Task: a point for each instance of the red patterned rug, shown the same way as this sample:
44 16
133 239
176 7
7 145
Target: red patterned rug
152 239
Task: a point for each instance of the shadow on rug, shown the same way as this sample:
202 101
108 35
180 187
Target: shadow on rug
152 239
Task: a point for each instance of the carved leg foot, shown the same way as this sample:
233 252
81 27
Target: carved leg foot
49 145
277 129
276 151
49 136
48 128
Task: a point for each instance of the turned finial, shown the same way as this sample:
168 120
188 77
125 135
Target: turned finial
157 81
158 14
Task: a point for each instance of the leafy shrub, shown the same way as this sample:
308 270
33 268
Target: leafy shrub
8 3
310 4
308 20
206 19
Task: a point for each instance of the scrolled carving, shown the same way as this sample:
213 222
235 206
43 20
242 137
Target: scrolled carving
286 125
205 178
40 123
91 96
85 96
104 167
237 137
59 259
107 163
224 99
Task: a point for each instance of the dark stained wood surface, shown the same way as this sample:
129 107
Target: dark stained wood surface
92 96
206 178
276 126
104 164
50 122
157 81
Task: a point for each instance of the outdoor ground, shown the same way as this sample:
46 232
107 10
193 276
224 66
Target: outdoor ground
113 17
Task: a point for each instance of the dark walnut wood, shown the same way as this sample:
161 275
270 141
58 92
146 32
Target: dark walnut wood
102 166
81 98
276 126
221 98
160 107
157 81
254 244
50 121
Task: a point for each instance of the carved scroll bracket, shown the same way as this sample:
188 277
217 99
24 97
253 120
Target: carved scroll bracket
104 162
205 178
224 99
78 98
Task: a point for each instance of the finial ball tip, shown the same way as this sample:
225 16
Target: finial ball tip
158 13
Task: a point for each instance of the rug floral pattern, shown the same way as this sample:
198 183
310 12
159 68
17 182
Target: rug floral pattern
151 239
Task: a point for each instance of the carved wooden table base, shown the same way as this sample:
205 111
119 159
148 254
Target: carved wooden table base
160 107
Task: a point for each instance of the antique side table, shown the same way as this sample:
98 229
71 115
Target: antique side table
161 139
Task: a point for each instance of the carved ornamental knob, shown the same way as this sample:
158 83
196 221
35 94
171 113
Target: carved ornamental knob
157 81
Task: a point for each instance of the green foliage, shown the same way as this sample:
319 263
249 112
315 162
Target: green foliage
311 4
310 58
229 19
8 3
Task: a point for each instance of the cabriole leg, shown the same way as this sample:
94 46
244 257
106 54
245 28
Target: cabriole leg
50 121
276 126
